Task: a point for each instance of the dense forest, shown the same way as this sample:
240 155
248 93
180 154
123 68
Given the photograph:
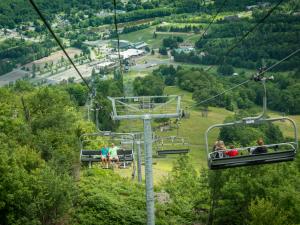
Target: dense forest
273 40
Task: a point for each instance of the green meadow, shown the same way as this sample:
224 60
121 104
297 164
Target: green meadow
193 130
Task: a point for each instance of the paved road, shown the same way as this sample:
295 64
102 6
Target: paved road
12 76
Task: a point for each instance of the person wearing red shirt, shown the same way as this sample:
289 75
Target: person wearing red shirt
232 152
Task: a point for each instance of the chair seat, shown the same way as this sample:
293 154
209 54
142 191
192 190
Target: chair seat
173 151
247 160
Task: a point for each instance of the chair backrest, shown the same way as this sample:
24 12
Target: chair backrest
125 155
91 152
175 151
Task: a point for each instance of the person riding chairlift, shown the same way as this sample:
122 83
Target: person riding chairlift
260 149
113 153
219 148
232 152
105 156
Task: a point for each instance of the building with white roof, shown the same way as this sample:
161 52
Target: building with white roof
130 53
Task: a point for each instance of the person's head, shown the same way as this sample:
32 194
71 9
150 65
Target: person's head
221 144
112 145
260 141
231 146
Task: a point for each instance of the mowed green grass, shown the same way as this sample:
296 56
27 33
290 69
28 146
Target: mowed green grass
191 129
146 35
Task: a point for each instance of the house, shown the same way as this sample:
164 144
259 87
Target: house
112 57
123 44
184 50
264 4
132 53
251 7
105 65
259 5
186 45
140 45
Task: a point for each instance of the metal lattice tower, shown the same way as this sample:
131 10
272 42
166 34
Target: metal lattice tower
146 108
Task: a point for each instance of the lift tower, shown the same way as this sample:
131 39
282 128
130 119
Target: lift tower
146 108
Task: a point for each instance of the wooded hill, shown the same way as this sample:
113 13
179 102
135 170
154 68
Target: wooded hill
39 152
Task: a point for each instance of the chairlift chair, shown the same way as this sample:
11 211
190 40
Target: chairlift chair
185 114
125 153
171 145
285 151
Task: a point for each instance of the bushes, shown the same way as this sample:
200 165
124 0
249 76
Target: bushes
225 70
148 86
188 193
105 198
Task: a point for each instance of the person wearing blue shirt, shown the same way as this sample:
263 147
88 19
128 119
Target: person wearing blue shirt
105 155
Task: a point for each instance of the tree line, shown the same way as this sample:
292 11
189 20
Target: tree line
14 52
272 41
283 93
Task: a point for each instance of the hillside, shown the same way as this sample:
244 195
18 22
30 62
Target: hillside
66 160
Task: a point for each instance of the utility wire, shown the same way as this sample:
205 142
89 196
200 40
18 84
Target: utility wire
206 100
117 33
247 33
246 81
58 42
277 63
213 19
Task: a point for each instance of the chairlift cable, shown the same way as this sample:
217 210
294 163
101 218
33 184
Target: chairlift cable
254 27
58 42
240 84
247 33
277 63
213 19
246 81
117 33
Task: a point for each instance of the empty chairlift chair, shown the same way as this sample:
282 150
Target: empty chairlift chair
278 152
126 158
171 145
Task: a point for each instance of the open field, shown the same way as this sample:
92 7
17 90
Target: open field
54 57
85 70
147 36
193 129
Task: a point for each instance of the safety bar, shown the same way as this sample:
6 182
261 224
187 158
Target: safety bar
290 144
261 120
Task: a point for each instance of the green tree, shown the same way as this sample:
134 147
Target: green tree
33 70
189 194
149 85
263 211
225 70
163 51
